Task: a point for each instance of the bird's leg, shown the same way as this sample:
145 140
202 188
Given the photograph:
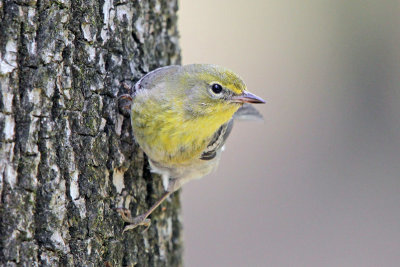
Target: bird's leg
141 219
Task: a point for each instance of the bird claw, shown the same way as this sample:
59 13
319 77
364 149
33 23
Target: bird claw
133 222
124 104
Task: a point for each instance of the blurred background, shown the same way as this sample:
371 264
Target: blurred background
318 183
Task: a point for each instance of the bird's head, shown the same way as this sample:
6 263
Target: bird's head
211 90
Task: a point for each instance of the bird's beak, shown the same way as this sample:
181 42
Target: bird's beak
247 97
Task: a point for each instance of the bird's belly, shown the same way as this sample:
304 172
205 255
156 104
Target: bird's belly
184 173
173 151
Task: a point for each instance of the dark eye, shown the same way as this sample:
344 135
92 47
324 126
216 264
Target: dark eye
216 88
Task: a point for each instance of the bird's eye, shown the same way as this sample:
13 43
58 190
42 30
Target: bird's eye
216 88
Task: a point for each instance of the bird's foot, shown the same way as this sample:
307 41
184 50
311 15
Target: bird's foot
133 222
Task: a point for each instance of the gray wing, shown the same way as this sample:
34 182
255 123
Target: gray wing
217 141
245 112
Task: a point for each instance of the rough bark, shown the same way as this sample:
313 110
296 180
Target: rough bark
67 155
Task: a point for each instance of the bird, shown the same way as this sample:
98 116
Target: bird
181 117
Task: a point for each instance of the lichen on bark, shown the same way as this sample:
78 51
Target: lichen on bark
68 158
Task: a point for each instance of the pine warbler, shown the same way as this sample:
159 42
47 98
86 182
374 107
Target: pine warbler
181 117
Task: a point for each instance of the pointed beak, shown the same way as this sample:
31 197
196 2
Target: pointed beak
247 97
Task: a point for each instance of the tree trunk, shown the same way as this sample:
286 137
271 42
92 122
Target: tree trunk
67 156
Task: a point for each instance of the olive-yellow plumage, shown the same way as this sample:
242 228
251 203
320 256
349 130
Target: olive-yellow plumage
181 117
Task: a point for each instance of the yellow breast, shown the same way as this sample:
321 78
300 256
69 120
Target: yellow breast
170 137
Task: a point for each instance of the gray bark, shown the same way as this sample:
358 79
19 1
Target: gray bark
67 155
